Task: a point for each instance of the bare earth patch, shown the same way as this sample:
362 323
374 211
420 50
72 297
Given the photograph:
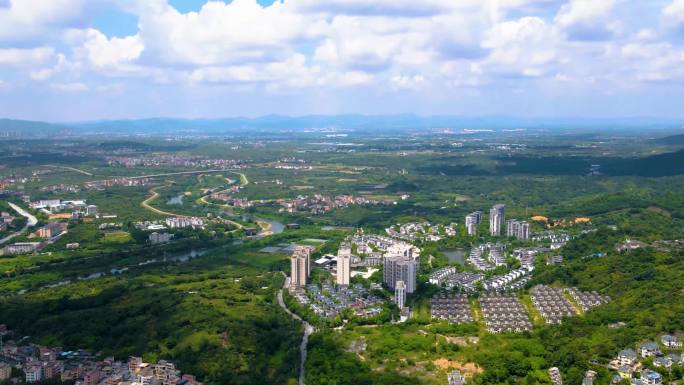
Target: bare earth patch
463 341
469 368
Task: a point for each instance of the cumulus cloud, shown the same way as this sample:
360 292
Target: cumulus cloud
587 19
295 46
32 20
241 31
673 14
25 56
524 47
103 52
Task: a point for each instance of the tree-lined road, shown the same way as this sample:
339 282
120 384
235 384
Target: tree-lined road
308 330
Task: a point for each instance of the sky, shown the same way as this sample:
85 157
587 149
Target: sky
84 60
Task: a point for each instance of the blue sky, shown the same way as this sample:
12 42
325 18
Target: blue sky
76 60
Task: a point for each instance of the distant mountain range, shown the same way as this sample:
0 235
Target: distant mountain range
361 123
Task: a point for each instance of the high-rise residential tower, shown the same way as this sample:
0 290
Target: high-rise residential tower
300 264
472 220
518 229
497 216
344 264
400 268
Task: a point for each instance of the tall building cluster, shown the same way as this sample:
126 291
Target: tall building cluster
497 216
518 229
300 263
472 220
344 264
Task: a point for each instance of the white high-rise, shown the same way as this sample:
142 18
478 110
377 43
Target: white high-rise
400 294
518 229
497 217
344 264
471 222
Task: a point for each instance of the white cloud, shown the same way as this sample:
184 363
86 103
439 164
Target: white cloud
524 47
438 46
587 19
407 81
69 87
103 52
238 32
42 74
26 20
655 61
25 56
673 14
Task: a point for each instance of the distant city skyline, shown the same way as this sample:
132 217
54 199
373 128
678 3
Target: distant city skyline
80 60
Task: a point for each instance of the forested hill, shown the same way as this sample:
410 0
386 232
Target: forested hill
673 140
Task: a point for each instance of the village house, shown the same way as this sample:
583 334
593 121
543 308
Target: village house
649 349
671 341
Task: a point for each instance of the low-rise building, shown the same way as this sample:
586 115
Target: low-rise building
555 376
52 229
33 372
649 349
158 238
671 341
21 248
589 377
650 377
456 378
627 357
5 371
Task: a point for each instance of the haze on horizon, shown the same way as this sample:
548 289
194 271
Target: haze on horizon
78 60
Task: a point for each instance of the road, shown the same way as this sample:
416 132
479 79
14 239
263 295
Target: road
72 169
146 204
265 226
308 330
29 223
179 173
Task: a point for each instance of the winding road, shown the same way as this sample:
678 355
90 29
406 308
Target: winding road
146 203
29 223
308 330
266 227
